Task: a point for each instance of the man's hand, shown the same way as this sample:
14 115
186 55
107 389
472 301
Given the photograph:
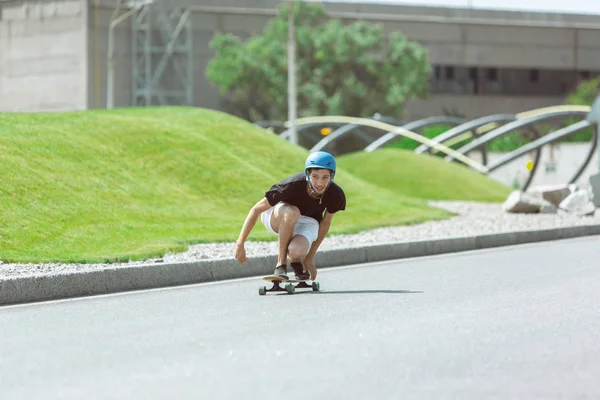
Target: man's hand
240 252
309 265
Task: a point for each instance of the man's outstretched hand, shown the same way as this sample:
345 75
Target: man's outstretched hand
239 252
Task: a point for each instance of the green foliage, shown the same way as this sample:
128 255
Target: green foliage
585 93
352 69
508 142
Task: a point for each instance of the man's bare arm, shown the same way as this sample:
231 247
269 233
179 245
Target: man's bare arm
309 262
324 226
260 207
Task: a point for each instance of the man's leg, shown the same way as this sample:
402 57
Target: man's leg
297 250
283 219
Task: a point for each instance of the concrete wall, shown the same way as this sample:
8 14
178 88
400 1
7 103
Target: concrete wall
497 46
205 26
62 49
462 36
459 38
43 60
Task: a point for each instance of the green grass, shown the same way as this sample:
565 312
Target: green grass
409 144
101 186
422 176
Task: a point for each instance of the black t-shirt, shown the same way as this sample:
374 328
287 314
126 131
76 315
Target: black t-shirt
292 190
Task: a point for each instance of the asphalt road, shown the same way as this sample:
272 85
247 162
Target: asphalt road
510 323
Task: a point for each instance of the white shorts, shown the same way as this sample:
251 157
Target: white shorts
305 226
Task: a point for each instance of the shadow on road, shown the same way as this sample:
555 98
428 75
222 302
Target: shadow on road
363 292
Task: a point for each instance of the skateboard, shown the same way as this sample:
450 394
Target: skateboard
290 287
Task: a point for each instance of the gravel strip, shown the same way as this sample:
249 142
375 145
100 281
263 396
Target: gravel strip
472 219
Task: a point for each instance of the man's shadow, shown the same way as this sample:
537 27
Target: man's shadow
321 292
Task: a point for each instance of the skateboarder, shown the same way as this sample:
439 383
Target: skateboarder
299 209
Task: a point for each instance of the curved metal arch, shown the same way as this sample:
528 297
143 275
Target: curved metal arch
339 132
589 157
300 128
391 128
511 126
388 120
343 130
363 135
441 119
531 113
536 160
551 109
466 127
418 124
270 124
545 140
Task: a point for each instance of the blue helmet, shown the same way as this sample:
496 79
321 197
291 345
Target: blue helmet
320 159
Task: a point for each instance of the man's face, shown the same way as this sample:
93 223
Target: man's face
320 179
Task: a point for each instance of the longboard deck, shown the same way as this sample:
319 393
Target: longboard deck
275 278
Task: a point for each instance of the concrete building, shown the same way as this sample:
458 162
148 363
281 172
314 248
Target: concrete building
53 53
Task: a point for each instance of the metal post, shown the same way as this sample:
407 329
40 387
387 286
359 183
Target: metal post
161 74
110 66
292 75
598 129
148 93
189 88
594 118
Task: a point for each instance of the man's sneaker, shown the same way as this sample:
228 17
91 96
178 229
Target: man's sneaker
299 271
281 271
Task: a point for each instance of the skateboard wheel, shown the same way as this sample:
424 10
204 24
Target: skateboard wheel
316 286
290 288
262 291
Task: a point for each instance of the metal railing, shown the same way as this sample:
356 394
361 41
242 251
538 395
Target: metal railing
481 131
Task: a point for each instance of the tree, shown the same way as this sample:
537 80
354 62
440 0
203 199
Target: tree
342 69
583 95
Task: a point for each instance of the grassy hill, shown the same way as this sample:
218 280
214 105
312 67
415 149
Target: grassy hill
422 176
95 186
134 183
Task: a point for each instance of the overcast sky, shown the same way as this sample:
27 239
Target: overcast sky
573 6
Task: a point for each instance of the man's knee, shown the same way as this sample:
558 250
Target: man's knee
289 213
298 248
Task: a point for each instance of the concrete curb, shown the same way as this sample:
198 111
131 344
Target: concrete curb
52 287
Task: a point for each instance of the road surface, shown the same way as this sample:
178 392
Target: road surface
510 323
